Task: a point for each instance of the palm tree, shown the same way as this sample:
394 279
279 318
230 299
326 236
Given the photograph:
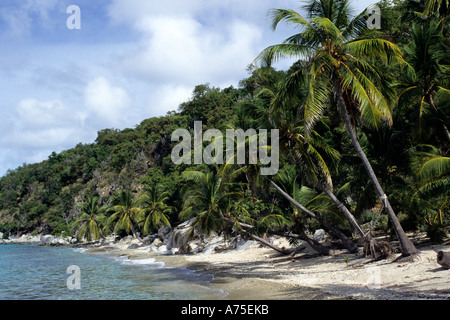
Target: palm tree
427 90
207 200
346 70
431 192
125 213
155 209
91 221
310 151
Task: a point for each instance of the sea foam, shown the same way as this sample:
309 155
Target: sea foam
149 261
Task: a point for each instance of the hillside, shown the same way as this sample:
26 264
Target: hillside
45 197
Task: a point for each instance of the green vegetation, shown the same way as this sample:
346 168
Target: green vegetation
363 119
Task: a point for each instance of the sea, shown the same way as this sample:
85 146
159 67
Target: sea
32 272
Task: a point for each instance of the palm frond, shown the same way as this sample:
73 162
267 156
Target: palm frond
274 53
434 166
288 16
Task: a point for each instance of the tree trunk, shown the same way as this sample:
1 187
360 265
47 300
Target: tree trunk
443 258
311 242
135 234
260 240
348 244
344 210
378 250
270 245
406 245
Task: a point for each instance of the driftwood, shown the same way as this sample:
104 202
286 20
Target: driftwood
443 258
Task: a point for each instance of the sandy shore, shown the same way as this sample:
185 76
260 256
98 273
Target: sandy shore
258 273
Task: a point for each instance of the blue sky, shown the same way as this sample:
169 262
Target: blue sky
131 60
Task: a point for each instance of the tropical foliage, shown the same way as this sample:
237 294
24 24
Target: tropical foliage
362 116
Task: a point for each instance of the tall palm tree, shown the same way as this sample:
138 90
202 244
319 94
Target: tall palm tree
125 213
91 221
345 70
310 151
155 209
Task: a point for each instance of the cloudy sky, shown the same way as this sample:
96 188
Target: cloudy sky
131 60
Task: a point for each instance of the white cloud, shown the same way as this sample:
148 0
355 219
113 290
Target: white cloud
43 124
181 50
168 98
106 101
34 114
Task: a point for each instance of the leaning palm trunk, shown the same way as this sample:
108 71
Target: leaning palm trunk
348 244
270 245
313 244
255 237
135 234
406 246
372 247
341 207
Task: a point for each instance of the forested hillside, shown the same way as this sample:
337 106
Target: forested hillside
357 100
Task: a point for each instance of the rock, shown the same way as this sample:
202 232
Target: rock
59 241
132 243
211 244
157 243
180 236
133 246
47 239
125 242
319 235
164 250
25 239
150 239
164 233
246 244
443 258
196 247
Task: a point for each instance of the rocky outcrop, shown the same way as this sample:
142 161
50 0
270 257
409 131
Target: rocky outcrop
179 238
48 240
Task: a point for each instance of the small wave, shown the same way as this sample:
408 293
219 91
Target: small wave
149 261
80 250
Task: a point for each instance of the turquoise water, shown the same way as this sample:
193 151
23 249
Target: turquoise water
29 272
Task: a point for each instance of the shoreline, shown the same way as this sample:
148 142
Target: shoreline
259 273
242 284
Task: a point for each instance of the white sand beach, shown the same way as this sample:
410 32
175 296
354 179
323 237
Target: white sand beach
261 273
